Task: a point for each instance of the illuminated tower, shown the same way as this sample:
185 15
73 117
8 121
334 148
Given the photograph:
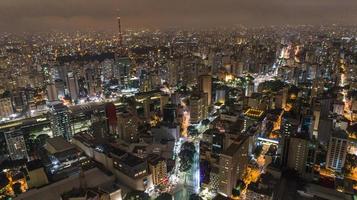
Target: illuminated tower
120 38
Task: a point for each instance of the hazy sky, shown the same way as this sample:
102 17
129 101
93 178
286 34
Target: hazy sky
44 15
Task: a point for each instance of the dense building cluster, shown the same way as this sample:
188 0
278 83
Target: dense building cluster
240 113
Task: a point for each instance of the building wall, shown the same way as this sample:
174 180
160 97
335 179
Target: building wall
140 184
298 149
336 154
38 178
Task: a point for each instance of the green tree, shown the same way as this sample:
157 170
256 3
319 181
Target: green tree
137 195
195 197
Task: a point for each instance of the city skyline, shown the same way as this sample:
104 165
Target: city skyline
178 100
94 15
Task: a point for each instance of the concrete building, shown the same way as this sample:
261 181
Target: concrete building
233 163
127 127
16 145
132 171
158 169
52 94
6 107
337 150
164 99
170 113
93 178
205 86
198 108
60 120
72 85
297 156
36 174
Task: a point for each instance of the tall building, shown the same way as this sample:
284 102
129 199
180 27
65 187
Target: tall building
72 85
16 145
147 108
120 35
289 127
19 100
110 112
121 70
233 163
220 95
289 124
249 90
217 142
297 156
316 118
172 73
285 93
169 113
158 168
127 127
337 150
205 86
198 108
164 99
52 94
60 88
60 120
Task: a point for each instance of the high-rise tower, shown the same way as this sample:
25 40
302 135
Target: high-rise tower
120 37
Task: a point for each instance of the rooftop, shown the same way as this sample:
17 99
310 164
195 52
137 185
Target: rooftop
256 113
34 164
339 133
93 178
59 144
154 159
131 160
235 146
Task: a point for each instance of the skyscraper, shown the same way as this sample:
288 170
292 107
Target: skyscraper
158 169
233 163
205 86
120 36
121 70
164 99
197 108
52 94
60 120
72 85
127 127
337 150
297 156
172 72
169 113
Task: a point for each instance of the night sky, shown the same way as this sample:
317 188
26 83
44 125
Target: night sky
70 15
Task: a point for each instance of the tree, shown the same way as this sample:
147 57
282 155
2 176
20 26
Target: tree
192 130
186 156
17 188
258 150
235 192
186 160
195 197
205 122
164 196
137 195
